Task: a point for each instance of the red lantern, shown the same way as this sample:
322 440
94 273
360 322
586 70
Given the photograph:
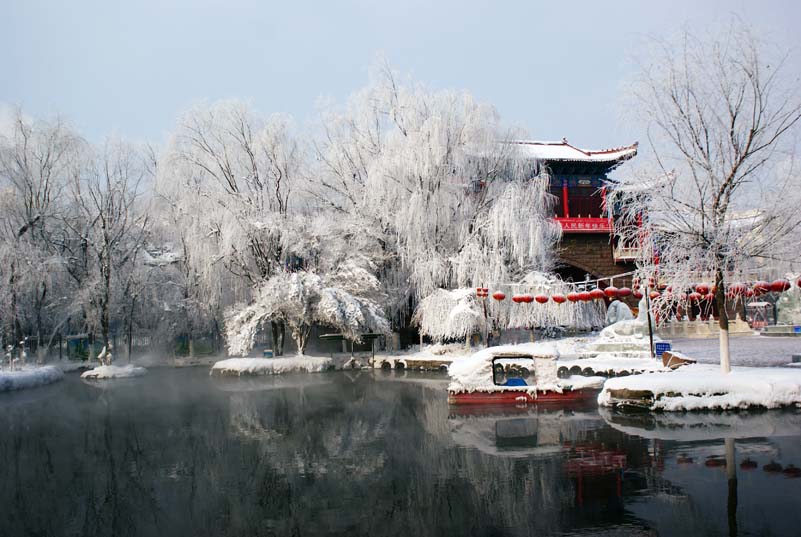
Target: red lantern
623 292
694 297
528 299
574 297
542 299
597 294
749 293
798 283
702 288
709 297
499 296
760 288
637 294
585 296
779 286
517 299
736 289
654 295
611 291
559 299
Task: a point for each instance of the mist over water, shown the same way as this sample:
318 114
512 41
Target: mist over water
366 453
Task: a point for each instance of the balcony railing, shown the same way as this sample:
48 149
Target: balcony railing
626 253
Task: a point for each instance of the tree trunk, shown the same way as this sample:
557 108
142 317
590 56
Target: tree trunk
720 299
130 335
302 338
277 331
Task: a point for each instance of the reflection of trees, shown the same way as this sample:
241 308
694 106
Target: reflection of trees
176 455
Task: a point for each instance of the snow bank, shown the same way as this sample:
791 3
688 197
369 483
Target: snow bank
701 386
30 377
272 366
114 372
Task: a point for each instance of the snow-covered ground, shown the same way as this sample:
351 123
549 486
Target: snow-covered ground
272 366
703 386
28 377
114 372
745 350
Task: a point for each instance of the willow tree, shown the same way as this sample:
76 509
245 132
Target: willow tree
229 177
721 196
426 174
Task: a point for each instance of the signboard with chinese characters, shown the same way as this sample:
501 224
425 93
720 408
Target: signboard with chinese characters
585 225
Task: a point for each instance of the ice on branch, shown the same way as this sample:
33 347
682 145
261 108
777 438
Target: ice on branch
302 299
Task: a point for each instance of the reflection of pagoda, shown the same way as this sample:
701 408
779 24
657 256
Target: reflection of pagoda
578 179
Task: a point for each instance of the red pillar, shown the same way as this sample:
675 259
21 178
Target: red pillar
564 199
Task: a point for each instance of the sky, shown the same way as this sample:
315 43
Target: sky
555 68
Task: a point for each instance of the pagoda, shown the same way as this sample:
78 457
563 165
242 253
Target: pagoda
578 180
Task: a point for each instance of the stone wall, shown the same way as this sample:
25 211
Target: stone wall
592 253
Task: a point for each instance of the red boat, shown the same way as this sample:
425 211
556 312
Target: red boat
511 378
513 396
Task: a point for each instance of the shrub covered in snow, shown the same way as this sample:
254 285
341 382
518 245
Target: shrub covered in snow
301 299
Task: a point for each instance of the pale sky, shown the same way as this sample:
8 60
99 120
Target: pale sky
555 68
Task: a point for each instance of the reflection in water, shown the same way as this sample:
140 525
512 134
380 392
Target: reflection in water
178 452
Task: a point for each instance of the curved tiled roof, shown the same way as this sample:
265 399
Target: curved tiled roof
563 151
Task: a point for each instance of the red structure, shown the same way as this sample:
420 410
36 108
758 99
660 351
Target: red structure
578 180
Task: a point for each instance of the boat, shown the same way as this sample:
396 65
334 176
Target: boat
517 376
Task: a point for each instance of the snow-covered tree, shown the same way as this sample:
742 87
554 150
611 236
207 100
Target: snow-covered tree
302 299
458 313
450 205
230 176
450 314
721 199
36 161
107 229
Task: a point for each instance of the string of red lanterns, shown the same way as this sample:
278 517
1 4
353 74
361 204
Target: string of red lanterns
701 291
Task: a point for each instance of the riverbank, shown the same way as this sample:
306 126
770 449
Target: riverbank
704 387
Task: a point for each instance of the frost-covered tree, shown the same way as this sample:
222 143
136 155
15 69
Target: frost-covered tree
425 171
459 313
302 299
722 197
230 177
450 314
108 231
36 160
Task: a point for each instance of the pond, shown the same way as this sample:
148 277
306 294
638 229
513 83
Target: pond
369 453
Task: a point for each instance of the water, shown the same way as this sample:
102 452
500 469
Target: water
363 453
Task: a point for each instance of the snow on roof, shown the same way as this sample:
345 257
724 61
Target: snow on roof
563 151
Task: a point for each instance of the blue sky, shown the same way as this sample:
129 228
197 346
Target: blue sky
554 68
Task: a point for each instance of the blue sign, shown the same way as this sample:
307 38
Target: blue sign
797 329
661 347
